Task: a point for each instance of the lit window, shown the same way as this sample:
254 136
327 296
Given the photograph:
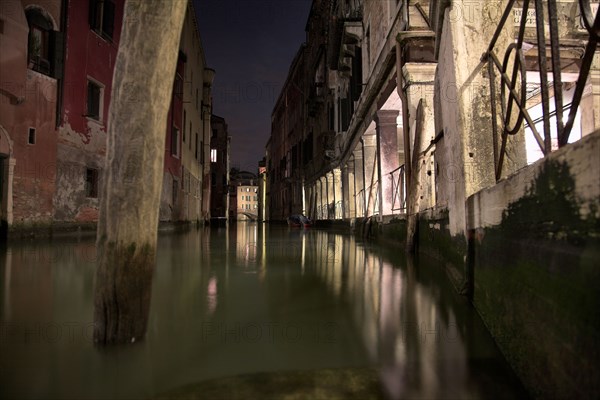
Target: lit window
91 182
102 17
213 155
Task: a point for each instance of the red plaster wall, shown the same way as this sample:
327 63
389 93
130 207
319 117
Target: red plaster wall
27 100
87 54
82 140
35 168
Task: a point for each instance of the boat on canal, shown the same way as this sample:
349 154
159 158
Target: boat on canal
299 221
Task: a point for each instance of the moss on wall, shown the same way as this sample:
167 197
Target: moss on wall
536 285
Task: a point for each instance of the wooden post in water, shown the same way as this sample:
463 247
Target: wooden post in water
132 181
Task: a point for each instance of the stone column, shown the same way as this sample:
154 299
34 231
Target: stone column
330 195
349 200
322 197
590 102
387 159
346 191
9 174
359 183
418 92
371 177
338 199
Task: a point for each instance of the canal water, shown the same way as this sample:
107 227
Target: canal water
244 311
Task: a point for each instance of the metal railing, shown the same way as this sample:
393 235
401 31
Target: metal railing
398 190
511 96
361 204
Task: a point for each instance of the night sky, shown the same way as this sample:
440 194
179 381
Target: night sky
250 44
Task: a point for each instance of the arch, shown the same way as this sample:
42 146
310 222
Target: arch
5 143
35 12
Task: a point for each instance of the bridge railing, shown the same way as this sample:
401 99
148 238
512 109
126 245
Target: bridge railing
513 84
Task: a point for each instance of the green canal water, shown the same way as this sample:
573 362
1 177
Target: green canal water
251 311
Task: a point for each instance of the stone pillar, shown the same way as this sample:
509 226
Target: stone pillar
338 199
322 198
359 183
348 189
418 92
9 174
330 199
590 102
351 180
371 177
387 156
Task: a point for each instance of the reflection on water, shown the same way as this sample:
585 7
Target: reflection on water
227 302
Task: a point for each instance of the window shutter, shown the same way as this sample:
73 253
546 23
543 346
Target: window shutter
93 12
57 53
356 79
345 106
108 20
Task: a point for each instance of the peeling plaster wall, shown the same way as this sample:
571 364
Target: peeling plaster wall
27 100
35 168
82 139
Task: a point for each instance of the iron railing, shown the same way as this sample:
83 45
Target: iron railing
398 190
361 202
517 96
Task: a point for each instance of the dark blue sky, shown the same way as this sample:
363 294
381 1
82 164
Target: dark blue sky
250 44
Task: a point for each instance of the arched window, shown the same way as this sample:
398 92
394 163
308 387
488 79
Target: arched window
45 45
38 46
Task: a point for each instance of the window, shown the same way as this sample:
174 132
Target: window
174 192
44 45
196 154
94 100
31 136
213 179
183 135
213 155
91 183
197 98
190 143
178 86
214 133
202 151
175 141
102 17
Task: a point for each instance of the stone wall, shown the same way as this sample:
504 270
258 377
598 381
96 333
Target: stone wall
536 246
